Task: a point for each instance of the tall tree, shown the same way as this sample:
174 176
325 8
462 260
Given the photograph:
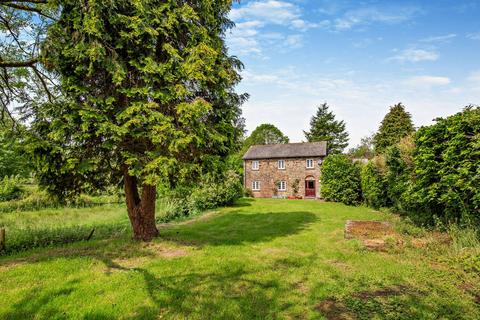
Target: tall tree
324 127
149 98
396 125
265 134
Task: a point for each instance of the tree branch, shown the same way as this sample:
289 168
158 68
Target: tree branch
24 1
18 64
25 7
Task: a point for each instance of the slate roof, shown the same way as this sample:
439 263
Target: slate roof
289 150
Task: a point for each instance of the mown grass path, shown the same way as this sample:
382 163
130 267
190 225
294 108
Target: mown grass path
261 259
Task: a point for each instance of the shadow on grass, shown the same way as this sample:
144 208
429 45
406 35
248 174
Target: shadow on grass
228 292
243 202
235 228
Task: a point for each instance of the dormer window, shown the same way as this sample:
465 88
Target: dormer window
281 164
310 164
255 165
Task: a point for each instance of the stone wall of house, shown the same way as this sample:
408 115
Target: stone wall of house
268 174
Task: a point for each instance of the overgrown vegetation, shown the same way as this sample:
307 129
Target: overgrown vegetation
211 192
374 184
10 188
433 176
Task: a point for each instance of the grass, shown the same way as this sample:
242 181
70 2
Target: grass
260 259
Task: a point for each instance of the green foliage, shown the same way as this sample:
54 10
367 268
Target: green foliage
148 92
324 127
211 192
374 185
32 200
340 181
13 161
395 125
10 188
364 150
447 170
264 134
399 174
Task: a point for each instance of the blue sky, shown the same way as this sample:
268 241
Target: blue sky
358 56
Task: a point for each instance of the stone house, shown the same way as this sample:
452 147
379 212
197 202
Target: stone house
273 170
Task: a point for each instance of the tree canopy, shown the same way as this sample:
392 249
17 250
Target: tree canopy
363 150
396 124
265 134
148 99
324 127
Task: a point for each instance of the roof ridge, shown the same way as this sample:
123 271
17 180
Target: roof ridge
287 150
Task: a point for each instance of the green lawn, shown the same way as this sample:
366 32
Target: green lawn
261 259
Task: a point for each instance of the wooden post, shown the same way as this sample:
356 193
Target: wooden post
2 240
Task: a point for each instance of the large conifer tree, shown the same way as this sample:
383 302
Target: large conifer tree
324 127
396 125
149 98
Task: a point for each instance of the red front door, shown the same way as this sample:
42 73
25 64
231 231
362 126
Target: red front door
310 188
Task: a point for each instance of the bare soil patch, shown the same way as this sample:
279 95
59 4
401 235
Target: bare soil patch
334 309
373 234
367 229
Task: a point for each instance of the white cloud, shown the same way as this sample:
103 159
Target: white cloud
474 36
366 16
248 36
439 39
294 41
415 55
427 81
270 11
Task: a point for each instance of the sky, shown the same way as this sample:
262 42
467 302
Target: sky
358 56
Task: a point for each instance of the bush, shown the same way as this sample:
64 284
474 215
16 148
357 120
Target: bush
374 185
447 171
10 188
213 193
341 180
208 194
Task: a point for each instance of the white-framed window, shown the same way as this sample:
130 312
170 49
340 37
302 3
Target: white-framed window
281 164
256 185
255 165
310 164
282 185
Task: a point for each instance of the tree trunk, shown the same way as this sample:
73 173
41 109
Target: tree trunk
141 210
